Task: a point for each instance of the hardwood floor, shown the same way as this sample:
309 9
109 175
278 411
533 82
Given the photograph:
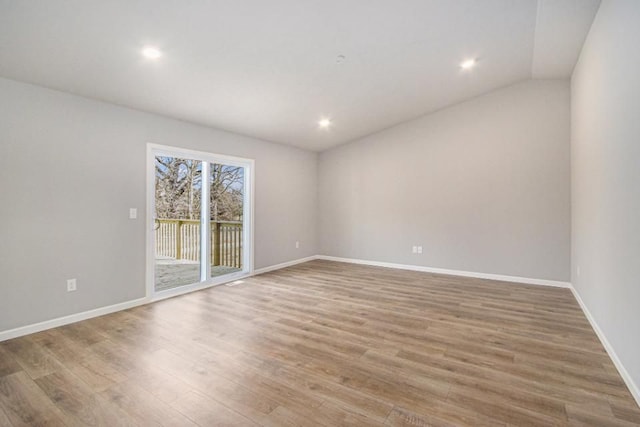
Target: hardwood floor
326 344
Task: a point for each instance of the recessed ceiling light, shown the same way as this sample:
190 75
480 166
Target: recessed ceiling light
151 52
324 123
469 63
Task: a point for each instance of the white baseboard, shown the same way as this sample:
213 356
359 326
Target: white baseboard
514 279
60 321
283 265
72 318
48 324
631 385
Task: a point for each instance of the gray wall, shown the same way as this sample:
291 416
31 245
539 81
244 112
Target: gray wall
605 155
483 186
70 168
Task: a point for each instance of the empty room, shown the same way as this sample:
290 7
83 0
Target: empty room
319 213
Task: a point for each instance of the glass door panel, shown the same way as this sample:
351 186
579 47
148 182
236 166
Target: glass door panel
177 218
226 205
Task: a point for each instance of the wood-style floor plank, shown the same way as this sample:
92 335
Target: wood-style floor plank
8 364
143 407
4 419
79 403
324 344
25 404
34 359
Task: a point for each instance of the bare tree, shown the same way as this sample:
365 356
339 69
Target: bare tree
179 184
226 192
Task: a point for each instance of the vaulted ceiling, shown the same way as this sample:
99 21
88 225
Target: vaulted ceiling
273 69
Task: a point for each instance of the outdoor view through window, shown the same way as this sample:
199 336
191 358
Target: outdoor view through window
178 221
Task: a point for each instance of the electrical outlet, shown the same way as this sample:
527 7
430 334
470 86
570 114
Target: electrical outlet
297 244
414 249
133 213
419 249
71 285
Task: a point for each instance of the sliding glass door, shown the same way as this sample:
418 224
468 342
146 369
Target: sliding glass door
200 218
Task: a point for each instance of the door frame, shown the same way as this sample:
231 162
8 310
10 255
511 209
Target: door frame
154 150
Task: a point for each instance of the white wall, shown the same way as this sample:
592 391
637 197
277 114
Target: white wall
70 168
605 156
483 186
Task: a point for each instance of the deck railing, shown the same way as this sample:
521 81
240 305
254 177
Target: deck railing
180 239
